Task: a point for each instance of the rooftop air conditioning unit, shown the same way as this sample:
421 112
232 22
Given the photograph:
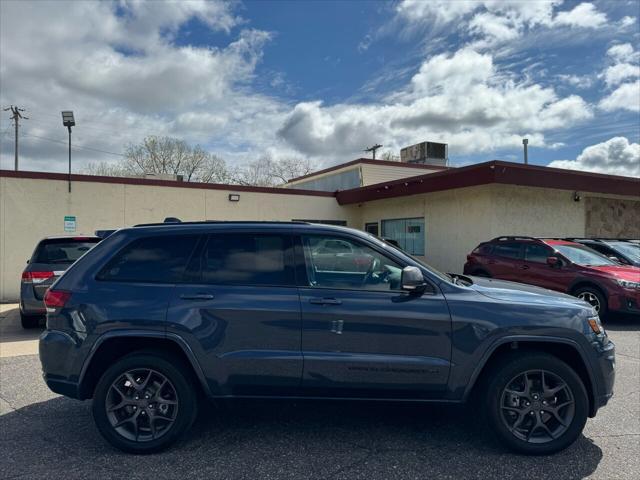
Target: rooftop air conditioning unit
426 153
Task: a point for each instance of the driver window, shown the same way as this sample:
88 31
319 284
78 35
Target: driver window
334 262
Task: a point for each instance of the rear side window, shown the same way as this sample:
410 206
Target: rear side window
508 250
155 260
62 251
484 249
248 259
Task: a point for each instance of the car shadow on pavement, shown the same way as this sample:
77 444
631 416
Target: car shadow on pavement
622 323
284 439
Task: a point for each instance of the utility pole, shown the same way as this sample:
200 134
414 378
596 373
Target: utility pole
525 142
16 116
373 149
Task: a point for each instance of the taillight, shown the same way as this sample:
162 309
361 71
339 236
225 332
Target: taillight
55 299
36 277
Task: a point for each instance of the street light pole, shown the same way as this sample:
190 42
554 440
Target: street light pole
69 128
68 121
525 142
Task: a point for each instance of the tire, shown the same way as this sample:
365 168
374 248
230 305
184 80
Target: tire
173 405
528 436
595 297
29 321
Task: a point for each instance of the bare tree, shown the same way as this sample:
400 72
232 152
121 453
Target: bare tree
170 156
106 169
390 156
267 172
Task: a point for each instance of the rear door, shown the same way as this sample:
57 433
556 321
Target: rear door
506 261
134 287
536 270
239 310
362 335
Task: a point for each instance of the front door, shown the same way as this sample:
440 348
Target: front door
239 310
361 334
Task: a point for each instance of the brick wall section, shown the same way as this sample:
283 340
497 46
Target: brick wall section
612 218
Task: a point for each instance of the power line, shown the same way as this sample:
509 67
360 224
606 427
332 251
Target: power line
73 146
104 127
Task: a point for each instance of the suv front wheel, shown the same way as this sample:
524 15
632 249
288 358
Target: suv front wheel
536 403
593 297
144 402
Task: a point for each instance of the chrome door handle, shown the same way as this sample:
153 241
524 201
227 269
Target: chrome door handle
325 301
196 296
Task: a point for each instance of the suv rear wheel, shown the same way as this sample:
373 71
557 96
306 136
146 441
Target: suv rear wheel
144 402
537 404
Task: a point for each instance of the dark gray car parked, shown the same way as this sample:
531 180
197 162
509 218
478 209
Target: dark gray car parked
155 316
51 257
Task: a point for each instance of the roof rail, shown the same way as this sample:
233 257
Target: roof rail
582 239
506 238
215 222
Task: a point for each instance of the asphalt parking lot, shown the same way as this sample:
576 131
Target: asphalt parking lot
43 435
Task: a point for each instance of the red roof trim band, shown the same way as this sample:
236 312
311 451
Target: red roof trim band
494 172
499 172
160 183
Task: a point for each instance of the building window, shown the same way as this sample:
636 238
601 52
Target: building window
371 228
408 232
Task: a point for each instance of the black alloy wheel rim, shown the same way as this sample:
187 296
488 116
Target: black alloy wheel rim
142 405
537 406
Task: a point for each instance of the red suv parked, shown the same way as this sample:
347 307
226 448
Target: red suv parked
560 265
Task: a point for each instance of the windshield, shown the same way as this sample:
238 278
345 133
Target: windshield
630 250
391 246
583 255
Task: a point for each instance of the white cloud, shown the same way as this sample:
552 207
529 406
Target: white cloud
622 52
494 27
616 156
117 66
460 99
443 11
493 22
584 15
625 68
578 81
616 74
628 21
625 97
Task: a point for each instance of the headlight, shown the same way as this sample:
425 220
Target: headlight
596 326
628 284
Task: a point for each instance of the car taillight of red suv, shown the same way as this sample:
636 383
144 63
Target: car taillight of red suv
559 265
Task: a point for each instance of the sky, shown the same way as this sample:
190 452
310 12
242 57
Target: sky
324 80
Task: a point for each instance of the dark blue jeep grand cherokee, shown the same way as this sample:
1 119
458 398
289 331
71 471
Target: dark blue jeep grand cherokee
156 315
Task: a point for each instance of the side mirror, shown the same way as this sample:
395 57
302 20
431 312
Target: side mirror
28 260
412 279
553 262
